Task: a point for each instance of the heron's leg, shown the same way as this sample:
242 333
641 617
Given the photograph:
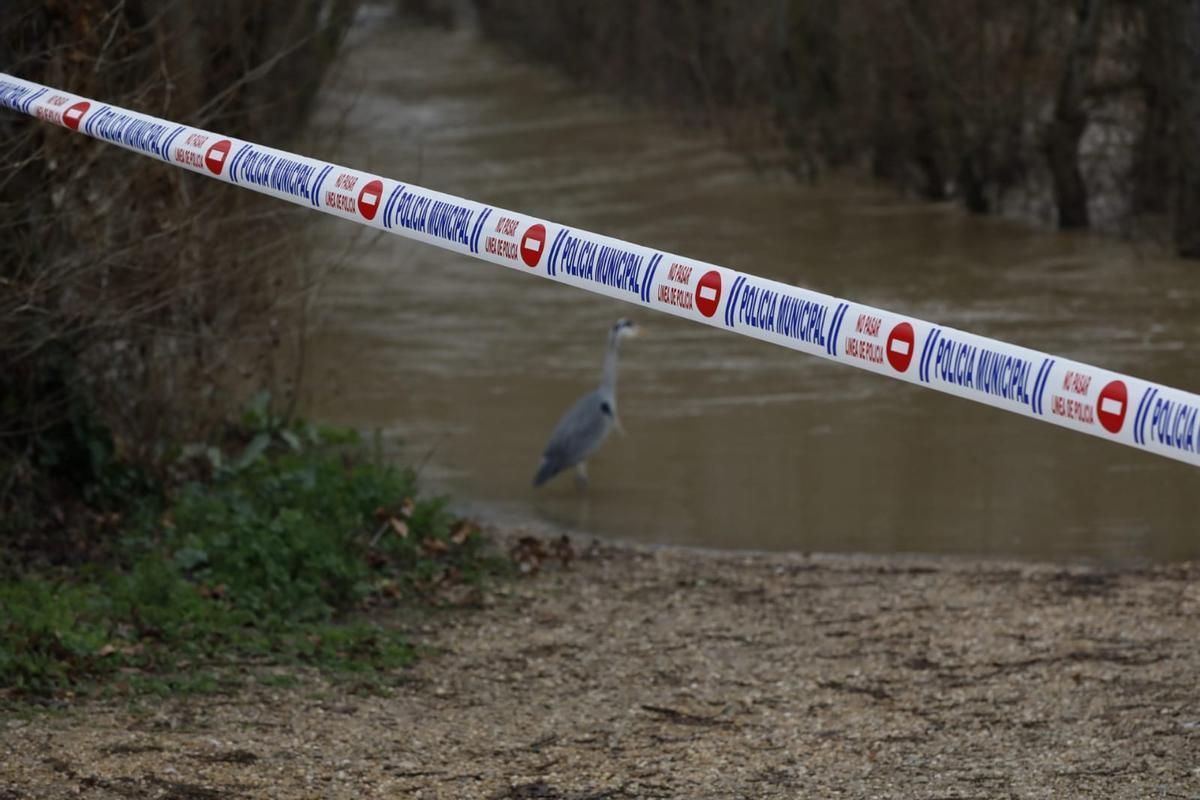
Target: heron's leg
581 479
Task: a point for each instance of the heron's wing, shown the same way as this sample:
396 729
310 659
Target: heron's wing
579 432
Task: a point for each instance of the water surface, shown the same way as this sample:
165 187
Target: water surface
732 443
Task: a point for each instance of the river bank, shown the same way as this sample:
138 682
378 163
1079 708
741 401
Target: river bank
664 672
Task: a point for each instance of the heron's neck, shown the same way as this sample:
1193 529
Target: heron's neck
610 365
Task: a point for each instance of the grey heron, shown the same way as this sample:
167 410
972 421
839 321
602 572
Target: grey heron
586 425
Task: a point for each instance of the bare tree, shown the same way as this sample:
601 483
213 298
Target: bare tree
1025 106
138 305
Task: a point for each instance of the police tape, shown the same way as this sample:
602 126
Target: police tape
1123 409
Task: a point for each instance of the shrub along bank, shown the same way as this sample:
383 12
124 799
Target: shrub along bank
1077 115
139 305
277 556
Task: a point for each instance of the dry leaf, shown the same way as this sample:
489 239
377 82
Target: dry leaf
564 550
125 650
434 546
529 553
463 531
399 526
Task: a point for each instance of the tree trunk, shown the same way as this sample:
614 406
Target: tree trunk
1062 154
972 186
1151 169
1070 120
1187 191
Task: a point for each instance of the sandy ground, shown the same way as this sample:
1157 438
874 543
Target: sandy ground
674 673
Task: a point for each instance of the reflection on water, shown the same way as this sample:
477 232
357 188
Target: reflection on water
732 443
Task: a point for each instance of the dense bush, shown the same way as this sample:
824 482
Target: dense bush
137 303
1080 114
272 559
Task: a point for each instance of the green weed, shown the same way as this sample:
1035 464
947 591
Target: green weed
275 560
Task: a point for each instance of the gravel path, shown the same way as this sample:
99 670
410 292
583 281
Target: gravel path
675 673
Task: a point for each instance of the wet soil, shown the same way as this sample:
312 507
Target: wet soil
638 672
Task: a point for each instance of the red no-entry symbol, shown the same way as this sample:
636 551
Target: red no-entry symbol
73 115
1111 405
368 199
900 346
708 293
532 244
214 159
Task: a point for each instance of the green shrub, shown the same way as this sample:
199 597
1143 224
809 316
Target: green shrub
50 634
274 559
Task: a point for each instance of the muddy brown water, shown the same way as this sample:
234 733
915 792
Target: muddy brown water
465 368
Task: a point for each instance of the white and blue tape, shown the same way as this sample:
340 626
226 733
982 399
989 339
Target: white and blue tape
1120 408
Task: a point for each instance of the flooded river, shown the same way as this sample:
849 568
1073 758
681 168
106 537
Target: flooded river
465 367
